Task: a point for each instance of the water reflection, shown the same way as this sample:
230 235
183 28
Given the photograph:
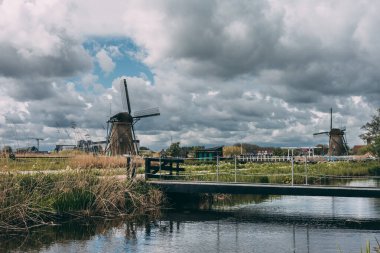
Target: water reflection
38 239
199 231
227 235
220 224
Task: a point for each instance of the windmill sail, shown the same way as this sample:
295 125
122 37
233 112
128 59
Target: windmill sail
146 113
125 96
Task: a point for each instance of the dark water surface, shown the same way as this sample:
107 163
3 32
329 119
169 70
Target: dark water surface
230 224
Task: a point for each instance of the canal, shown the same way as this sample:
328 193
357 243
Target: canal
221 224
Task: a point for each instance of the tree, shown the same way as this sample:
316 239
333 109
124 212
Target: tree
372 134
174 150
233 150
279 152
7 149
375 147
372 128
248 148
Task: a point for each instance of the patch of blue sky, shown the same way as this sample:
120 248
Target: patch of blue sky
123 52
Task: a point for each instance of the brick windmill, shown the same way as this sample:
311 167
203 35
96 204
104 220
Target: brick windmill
121 138
337 140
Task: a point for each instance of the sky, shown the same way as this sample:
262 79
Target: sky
221 72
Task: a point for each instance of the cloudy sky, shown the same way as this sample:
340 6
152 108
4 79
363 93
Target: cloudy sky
222 72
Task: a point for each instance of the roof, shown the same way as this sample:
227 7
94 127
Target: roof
121 117
210 149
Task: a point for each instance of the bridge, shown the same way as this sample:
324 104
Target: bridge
225 180
264 189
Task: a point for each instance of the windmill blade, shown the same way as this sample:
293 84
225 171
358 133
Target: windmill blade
321 133
125 96
134 141
146 113
108 133
345 145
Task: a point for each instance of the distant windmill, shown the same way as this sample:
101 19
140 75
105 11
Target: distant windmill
337 141
121 138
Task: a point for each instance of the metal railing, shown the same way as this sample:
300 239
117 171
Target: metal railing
238 170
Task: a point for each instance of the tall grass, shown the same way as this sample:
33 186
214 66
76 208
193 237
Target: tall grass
33 200
367 248
103 162
82 161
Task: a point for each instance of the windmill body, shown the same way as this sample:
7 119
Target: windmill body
121 138
337 141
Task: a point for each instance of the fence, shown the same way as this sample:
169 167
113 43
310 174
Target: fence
270 170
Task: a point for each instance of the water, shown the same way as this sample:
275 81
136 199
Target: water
237 224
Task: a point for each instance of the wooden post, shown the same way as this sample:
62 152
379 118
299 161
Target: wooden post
217 168
306 168
235 168
292 168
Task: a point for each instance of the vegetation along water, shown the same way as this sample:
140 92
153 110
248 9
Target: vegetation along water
91 196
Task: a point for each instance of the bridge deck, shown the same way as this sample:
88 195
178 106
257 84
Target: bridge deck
265 189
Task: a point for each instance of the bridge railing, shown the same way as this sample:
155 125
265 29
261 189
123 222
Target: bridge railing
279 170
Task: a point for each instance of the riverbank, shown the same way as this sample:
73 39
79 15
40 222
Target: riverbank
38 191
280 224
30 200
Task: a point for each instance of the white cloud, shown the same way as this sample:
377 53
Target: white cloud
262 71
105 62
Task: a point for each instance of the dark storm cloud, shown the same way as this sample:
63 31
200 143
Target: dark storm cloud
223 38
15 119
59 111
227 40
69 60
30 89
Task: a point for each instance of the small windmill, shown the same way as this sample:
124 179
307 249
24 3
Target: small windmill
337 140
121 138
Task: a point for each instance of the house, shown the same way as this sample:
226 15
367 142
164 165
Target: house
265 152
356 149
209 153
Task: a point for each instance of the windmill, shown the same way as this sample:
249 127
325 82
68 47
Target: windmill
337 139
121 138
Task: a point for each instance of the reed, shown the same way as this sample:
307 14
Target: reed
367 248
39 199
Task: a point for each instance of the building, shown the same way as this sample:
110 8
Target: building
209 153
60 147
264 152
356 149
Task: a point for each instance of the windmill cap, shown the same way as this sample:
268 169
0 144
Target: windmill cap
122 117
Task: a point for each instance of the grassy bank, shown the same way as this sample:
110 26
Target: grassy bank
81 161
38 199
281 172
